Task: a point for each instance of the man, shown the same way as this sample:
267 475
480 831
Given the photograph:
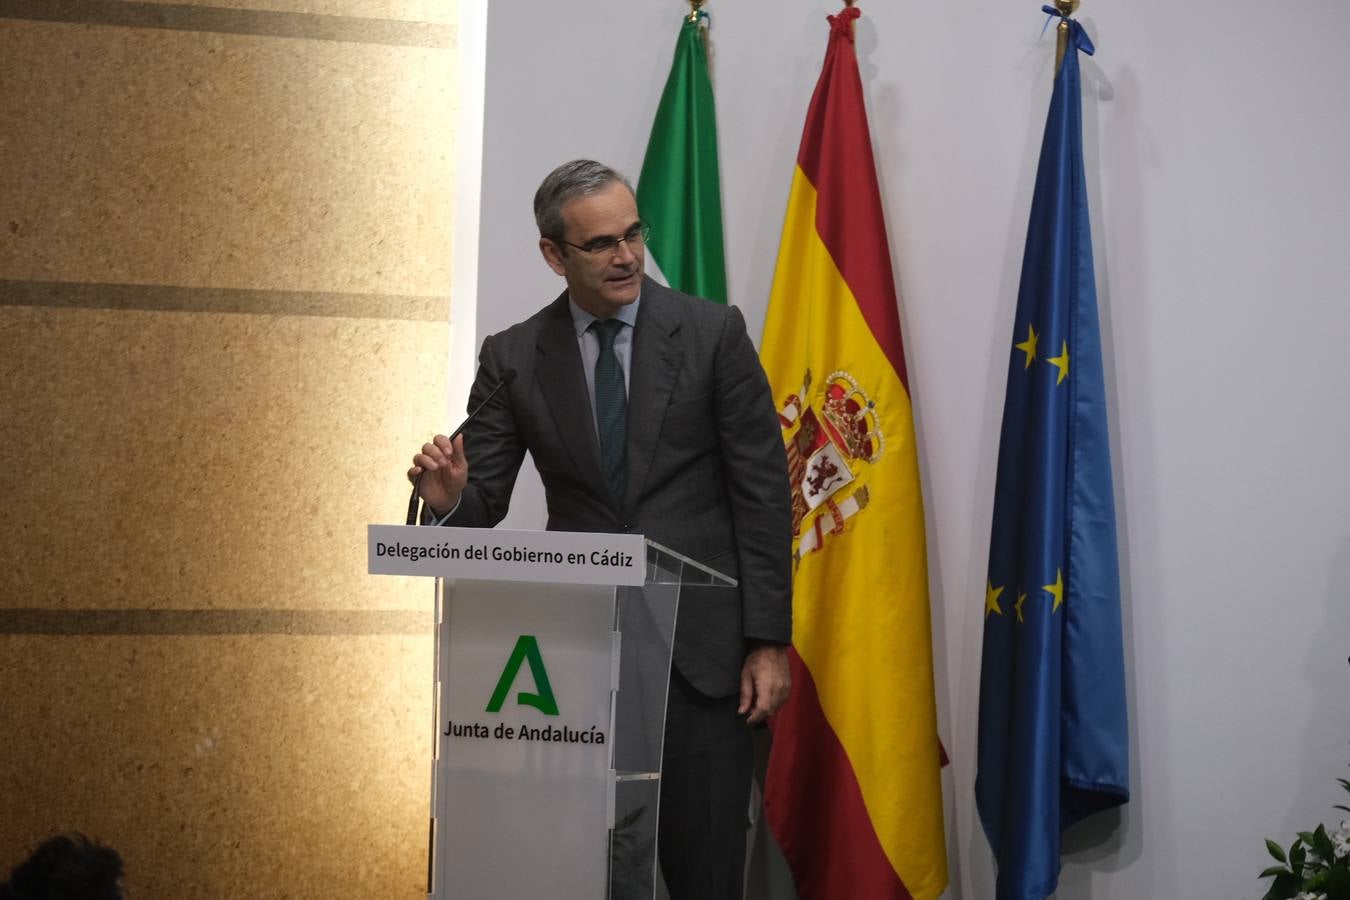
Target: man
647 411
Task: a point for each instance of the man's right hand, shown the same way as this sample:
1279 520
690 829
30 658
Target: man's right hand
447 471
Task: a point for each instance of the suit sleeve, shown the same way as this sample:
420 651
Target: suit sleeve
492 445
755 465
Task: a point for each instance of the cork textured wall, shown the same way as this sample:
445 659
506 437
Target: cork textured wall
225 267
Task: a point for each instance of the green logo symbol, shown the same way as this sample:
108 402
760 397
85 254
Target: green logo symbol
527 648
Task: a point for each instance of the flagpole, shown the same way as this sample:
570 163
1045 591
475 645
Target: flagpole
1066 8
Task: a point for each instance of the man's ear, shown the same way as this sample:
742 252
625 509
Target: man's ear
552 255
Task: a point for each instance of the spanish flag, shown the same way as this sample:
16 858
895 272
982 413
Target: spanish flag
853 793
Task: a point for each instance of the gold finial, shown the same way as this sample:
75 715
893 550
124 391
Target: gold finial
1066 8
694 7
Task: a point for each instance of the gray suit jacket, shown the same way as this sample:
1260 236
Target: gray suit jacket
707 472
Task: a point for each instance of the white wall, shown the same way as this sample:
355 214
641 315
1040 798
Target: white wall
1216 138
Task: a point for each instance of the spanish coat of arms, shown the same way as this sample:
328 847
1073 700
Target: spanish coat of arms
831 441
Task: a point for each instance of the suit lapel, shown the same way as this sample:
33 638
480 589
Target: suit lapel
654 368
563 384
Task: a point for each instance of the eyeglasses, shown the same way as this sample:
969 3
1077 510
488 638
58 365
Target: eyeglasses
634 237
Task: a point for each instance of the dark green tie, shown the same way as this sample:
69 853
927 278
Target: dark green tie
611 406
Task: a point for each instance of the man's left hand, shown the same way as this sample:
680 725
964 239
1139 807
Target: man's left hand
765 682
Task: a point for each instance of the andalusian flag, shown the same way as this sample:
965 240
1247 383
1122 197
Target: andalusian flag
853 793
1054 743
679 192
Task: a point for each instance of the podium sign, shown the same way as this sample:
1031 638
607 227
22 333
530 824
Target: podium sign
553 658
523 741
552 557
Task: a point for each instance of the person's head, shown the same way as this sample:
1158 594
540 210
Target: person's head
67 867
590 233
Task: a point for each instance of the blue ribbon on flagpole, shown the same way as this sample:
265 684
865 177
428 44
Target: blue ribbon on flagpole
1076 33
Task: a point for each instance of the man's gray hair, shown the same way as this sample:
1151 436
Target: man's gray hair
578 178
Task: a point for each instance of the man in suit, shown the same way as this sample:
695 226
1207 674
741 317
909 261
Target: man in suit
647 411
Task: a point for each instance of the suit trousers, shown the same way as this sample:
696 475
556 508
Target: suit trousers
707 765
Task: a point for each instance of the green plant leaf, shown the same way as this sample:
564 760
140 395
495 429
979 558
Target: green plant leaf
1338 883
1273 870
1345 784
1307 838
1284 888
1322 844
1276 851
1298 855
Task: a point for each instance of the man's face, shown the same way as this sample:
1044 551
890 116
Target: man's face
605 281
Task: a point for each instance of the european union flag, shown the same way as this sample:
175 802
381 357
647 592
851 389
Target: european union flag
1053 736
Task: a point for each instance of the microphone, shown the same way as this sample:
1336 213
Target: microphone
414 502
